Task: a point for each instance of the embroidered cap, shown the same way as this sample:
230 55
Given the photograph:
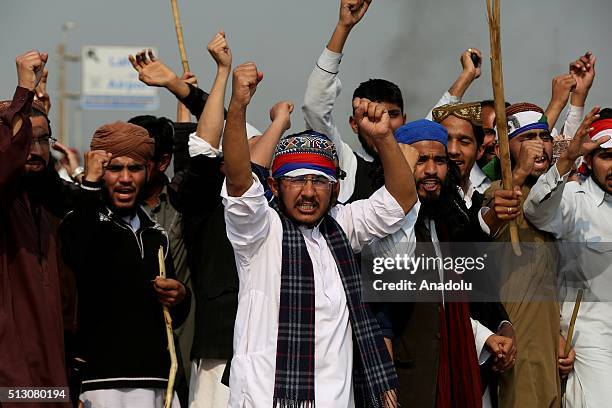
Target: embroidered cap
304 153
472 112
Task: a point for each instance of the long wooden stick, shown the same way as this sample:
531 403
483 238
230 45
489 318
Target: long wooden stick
179 35
170 336
493 16
570 331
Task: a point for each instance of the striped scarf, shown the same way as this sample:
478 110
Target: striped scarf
375 382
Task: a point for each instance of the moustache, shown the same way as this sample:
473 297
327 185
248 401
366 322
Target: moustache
34 159
307 202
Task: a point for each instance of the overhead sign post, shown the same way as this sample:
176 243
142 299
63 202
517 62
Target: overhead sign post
109 82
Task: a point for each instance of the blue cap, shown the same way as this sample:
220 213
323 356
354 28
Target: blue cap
420 130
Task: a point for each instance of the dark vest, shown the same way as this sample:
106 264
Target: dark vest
369 177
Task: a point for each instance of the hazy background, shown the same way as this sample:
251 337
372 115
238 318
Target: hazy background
415 43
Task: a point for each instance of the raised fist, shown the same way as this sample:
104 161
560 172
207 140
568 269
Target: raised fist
282 112
372 118
220 51
532 151
352 11
468 65
95 164
244 85
30 68
562 85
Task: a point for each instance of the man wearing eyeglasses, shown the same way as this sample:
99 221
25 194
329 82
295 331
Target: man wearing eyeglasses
303 336
31 331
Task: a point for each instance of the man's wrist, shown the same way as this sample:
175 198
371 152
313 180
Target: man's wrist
519 177
578 99
384 141
468 75
557 104
29 85
91 184
236 106
565 164
178 87
344 28
224 71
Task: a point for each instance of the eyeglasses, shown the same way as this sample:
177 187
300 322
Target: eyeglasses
318 182
44 140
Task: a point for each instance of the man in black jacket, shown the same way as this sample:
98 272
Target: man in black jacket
121 330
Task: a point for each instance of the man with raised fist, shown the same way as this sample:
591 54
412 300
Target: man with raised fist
112 245
31 332
300 251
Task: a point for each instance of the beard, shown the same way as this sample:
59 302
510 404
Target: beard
437 202
603 187
447 208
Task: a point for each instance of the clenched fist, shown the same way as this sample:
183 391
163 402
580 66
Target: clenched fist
244 85
95 164
373 118
220 51
282 112
30 68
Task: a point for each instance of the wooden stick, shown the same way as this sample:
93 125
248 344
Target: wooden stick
493 16
179 35
170 336
570 331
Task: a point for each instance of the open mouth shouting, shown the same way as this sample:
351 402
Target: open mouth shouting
124 193
430 184
307 207
541 163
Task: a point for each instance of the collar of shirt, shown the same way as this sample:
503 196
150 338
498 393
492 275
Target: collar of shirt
594 191
132 221
467 196
478 178
162 198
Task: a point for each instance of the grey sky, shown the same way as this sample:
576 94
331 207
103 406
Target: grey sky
415 43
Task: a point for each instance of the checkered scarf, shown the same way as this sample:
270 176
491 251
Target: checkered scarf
374 379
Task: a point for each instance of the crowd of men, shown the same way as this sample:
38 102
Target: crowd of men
261 235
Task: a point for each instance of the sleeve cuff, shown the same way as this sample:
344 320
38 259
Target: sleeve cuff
329 61
483 225
451 98
480 337
575 111
21 102
553 178
199 146
256 190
